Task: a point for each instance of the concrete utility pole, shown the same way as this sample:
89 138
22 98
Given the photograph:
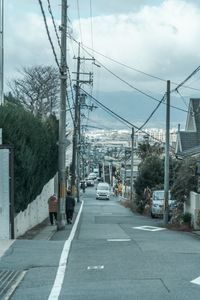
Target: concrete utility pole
62 121
76 123
166 180
132 154
76 137
1 52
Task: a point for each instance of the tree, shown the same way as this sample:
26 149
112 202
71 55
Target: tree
145 150
37 89
185 179
35 150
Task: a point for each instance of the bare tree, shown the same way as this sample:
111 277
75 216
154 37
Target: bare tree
37 89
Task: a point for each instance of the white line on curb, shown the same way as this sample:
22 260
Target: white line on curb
55 292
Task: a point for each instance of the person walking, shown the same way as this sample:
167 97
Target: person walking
83 186
53 203
70 204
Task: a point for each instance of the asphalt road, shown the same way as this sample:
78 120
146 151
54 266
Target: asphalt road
114 255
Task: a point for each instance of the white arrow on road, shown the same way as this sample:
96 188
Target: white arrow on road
196 281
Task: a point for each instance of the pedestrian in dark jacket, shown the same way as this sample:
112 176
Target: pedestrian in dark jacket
70 204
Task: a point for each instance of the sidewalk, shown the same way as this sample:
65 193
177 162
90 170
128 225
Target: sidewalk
45 231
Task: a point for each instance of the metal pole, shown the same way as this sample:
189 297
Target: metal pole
132 153
166 179
1 52
62 121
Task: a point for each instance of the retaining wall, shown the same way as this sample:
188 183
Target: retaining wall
36 212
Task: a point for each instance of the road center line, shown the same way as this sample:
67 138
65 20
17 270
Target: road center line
55 292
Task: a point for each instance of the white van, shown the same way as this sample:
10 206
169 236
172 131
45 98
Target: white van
103 191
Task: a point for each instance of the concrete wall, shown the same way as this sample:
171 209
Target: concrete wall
4 194
192 205
36 212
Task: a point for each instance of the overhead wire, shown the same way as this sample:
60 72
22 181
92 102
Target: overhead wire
185 80
135 69
153 112
49 36
127 83
54 23
123 120
79 18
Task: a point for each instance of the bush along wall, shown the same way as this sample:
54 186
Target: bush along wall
35 151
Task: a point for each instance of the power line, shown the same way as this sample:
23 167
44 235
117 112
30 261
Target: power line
133 68
130 85
153 112
49 36
123 120
54 24
78 10
91 25
184 81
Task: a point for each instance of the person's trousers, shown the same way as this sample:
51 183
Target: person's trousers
69 215
52 215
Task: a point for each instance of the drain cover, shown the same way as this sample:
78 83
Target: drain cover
9 280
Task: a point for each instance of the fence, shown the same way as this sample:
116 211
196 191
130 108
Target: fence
192 206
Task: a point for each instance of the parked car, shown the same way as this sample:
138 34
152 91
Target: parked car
103 191
93 176
90 181
157 203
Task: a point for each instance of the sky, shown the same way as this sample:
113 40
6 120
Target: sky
158 37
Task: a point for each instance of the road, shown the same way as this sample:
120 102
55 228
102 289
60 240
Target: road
114 255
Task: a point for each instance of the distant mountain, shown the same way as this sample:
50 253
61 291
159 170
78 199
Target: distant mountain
136 108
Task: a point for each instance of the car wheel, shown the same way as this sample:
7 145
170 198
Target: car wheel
152 215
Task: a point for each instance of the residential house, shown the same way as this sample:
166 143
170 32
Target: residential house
188 141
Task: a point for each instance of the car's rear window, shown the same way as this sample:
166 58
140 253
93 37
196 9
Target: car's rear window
103 187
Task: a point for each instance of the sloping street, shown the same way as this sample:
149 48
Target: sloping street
115 254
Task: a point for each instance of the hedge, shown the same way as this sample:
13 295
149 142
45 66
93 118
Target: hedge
35 151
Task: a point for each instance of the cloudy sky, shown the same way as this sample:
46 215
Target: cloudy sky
157 37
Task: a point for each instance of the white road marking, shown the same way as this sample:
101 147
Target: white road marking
95 267
196 281
55 292
149 228
4 246
15 285
118 240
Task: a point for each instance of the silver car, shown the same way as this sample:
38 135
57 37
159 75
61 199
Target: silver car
103 191
157 203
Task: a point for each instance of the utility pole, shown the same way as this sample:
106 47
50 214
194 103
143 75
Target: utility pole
1 52
132 153
125 166
62 121
76 137
166 179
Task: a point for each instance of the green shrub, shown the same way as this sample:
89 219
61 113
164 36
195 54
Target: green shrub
186 217
35 151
